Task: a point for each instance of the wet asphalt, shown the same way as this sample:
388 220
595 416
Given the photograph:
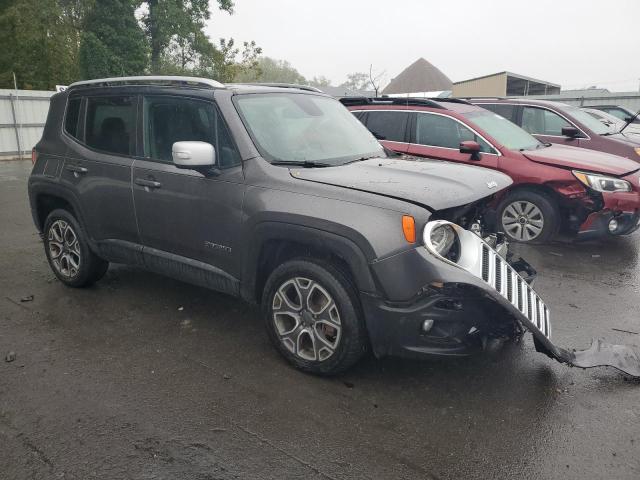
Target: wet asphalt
145 377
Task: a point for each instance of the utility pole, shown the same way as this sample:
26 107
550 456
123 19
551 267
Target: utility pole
14 114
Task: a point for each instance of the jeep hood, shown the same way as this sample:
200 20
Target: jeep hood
582 159
431 183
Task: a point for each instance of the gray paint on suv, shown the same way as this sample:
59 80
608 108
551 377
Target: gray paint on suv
298 208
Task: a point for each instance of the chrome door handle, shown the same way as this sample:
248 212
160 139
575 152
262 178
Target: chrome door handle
147 183
76 169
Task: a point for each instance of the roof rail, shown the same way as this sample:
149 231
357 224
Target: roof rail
452 100
406 101
164 80
308 88
483 98
348 101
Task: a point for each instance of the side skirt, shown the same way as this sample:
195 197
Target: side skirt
165 263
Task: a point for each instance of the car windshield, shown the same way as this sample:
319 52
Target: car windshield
587 120
508 134
294 127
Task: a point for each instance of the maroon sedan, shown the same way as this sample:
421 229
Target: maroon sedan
555 187
563 124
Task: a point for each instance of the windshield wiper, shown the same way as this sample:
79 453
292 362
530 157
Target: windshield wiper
303 163
629 121
360 159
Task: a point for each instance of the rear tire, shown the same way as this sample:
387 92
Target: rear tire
528 217
68 252
313 317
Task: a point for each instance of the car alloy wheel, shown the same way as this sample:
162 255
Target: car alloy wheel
64 249
523 220
306 319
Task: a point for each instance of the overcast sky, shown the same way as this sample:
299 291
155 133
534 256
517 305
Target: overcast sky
574 43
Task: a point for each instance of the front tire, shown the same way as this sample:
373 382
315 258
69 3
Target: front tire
313 317
68 252
526 216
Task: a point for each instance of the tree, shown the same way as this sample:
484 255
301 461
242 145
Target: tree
270 70
181 21
227 67
320 81
357 81
112 43
375 79
39 43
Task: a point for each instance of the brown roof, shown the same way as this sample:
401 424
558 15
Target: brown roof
420 76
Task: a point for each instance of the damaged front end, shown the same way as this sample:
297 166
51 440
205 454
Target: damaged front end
508 284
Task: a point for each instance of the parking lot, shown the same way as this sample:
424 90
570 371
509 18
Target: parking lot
145 377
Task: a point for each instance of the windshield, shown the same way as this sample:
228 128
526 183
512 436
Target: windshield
505 132
291 127
587 120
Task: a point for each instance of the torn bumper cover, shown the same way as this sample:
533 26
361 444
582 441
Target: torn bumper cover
531 312
475 290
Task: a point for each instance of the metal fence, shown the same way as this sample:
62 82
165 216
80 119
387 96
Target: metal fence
22 117
629 100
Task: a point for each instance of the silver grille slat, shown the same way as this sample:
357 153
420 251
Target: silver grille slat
505 280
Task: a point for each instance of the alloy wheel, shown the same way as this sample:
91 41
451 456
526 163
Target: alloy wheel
64 248
307 319
523 220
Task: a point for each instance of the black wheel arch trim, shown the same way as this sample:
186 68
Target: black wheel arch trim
354 254
37 189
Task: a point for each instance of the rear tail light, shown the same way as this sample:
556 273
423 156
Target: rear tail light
34 156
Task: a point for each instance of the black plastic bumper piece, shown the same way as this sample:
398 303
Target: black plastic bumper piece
461 302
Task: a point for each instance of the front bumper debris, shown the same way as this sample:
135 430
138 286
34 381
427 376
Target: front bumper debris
509 288
597 224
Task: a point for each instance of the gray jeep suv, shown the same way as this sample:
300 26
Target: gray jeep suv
280 196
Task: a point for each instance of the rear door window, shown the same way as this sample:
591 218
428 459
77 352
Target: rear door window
110 124
506 111
540 121
390 126
441 131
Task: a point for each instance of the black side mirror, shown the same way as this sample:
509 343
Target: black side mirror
571 132
472 148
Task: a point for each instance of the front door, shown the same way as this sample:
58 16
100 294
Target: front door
547 126
438 136
193 217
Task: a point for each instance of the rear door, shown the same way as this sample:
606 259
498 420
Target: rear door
100 132
438 136
188 214
390 128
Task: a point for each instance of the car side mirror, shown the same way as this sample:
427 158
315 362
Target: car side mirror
628 119
472 148
193 155
571 132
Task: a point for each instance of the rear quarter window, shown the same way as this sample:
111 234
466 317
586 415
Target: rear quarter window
72 117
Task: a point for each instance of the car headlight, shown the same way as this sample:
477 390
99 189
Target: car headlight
442 239
637 150
602 183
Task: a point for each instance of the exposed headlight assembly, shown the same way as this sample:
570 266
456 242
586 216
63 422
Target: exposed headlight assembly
602 183
441 238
